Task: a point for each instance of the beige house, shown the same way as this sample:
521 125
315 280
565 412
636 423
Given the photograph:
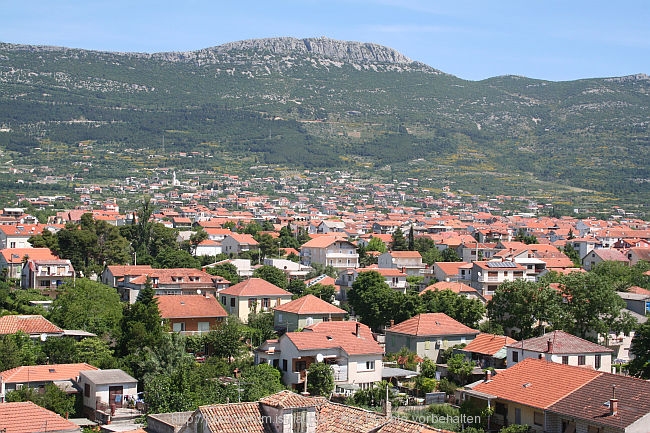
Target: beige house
428 334
252 296
305 311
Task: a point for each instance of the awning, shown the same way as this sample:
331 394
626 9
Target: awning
388 372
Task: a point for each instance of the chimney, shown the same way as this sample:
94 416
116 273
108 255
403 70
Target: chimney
488 375
549 346
358 329
613 402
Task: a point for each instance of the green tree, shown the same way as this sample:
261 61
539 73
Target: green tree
376 244
226 338
62 350
287 238
52 398
411 239
572 253
450 255
460 367
198 236
591 304
141 324
273 275
269 246
96 352
525 307
19 349
465 310
260 327
427 249
398 242
170 258
640 364
89 306
260 381
226 270
320 379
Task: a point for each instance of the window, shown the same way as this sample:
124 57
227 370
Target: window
597 362
370 365
565 360
284 365
581 359
517 415
86 390
301 365
266 302
515 356
232 302
45 283
223 300
178 326
299 420
204 326
538 418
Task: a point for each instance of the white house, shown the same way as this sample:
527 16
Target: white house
330 251
104 388
409 262
347 347
562 348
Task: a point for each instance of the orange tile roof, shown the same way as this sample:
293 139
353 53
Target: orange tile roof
309 304
384 272
537 382
405 254
10 254
323 241
454 286
287 400
189 306
428 324
44 373
488 344
341 334
122 270
254 287
29 324
27 417
235 418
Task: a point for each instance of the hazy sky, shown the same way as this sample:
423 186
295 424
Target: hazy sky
550 39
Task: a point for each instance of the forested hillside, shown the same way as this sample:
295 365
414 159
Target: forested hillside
321 104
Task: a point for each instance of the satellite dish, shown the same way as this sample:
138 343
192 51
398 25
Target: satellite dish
309 321
43 337
319 357
198 291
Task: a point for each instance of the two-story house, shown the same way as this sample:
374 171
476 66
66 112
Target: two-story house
330 251
563 348
236 243
409 262
12 259
394 278
488 275
253 296
347 347
557 398
190 314
305 311
45 274
428 335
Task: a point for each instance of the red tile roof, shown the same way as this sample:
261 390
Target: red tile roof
323 241
331 335
537 382
189 306
27 417
562 343
309 304
488 344
432 324
10 254
29 324
44 373
254 287
287 399
454 286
